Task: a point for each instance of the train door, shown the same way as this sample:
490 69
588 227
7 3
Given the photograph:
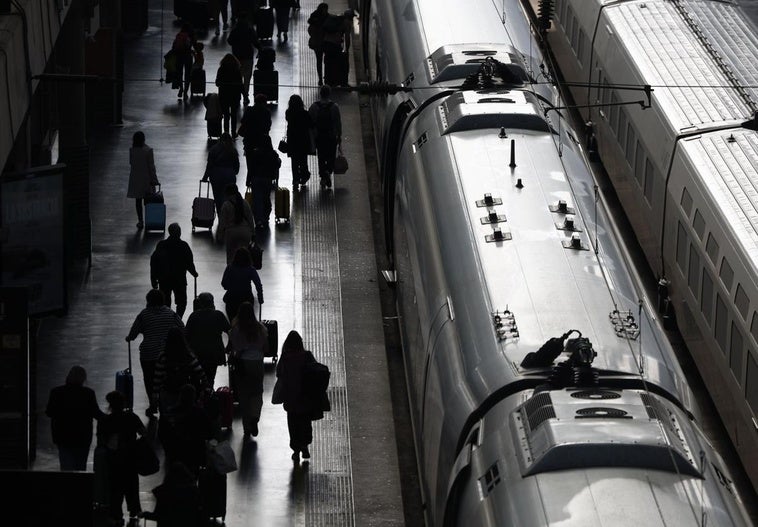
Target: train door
389 159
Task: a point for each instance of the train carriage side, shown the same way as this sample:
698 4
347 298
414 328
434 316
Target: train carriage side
713 240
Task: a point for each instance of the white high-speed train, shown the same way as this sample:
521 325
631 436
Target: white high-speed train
543 391
685 169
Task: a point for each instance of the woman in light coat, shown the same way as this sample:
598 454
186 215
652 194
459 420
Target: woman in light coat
142 176
236 224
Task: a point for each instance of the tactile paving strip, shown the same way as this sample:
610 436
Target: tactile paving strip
329 486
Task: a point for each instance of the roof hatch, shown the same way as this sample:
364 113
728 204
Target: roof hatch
510 109
456 62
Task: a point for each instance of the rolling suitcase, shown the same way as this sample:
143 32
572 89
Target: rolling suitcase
155 217
336 67
197 82
266 58
272 327
214 128
282 205
267 83
203 208
125 381
264 23
212 487
226 406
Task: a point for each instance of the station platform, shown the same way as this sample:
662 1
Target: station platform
319 277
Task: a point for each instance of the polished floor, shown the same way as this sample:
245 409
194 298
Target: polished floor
319 277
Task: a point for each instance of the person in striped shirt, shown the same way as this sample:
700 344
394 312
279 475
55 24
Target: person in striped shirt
154 323
176 366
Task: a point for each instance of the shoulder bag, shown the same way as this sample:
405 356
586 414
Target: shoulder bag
340 162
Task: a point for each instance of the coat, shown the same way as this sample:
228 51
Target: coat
142 175
300 133
204 330
290 370
229 82
71 409
171 261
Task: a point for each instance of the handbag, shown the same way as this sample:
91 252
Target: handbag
340 162
145 459
282 146
221 456
277 395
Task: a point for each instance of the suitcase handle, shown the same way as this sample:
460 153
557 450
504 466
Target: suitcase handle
207 189
129 348
195 277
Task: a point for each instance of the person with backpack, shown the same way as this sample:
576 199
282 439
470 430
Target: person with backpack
169 264
183 49
205 328
175 367
316 37
326 115
299 140
263 166
248 344
290 372
244 41
336 43
154 322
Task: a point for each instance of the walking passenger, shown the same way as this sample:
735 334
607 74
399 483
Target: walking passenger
263 167
244 41
222 168
282 10
248 341
71 409
299 140
236 224
117 433
142 175
177 499
326 116
290 371
229 82
154 322
255 123
220 11
316 37
236 281
184 434
182 47
169 264
205 328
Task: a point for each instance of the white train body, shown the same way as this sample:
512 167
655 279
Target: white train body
685 170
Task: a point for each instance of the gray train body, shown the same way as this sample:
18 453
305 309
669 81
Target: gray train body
495 262
685 170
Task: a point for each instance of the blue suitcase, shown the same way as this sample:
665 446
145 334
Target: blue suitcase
125 382
155 217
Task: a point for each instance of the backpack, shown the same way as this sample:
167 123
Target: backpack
333 24
182 43
324 126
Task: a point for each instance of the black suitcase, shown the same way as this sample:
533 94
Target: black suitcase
267 83
266 58
264 23
336 67
272 327
212 488
214 128
125 381
197 82
203 210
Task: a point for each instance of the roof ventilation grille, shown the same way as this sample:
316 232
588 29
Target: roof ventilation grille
595 395
602 412
538 409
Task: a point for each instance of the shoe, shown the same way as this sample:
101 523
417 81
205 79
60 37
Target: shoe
306 453
226 26
296 456
140 225
179 95
151 411
254 430
320 82
285 37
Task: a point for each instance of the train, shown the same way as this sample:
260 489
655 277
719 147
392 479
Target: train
542 387
685 167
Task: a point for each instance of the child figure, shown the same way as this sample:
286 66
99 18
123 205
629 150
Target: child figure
199 57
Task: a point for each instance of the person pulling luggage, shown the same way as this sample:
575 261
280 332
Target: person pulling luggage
205 328
169 264
236 224
263 167
236 281
326 115
222 168
299 140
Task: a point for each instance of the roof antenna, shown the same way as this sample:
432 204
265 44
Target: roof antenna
513 154
519 184
502 134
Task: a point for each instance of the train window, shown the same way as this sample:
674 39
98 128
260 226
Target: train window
693 273
712 248
698 223
686 202
706 297
639 165
681 248
649 181
754 326
614 111
735 353
631 143
726 274
621 132
719 329
751 382
741 301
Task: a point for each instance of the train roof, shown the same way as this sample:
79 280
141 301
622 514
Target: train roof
727 163
689 85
